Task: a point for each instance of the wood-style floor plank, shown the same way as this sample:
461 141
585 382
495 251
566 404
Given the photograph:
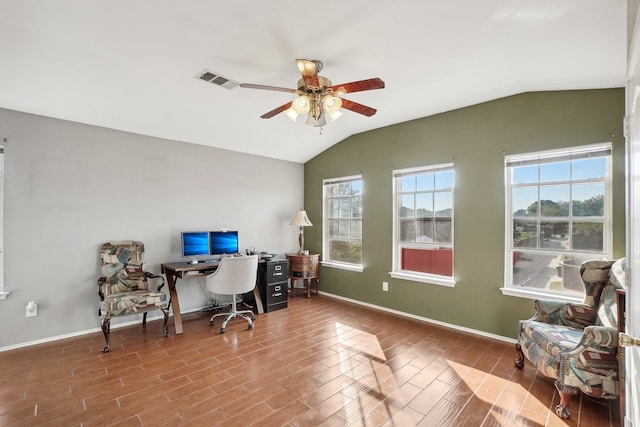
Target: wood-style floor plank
321 361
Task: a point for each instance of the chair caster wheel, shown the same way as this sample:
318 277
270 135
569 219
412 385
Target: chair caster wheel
253 317
222 330
250 327
211 323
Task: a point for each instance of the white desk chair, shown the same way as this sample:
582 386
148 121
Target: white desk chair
234 276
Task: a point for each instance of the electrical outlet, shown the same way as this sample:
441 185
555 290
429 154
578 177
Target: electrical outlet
385 286
32 309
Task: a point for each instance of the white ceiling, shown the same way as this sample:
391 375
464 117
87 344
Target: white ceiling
132 64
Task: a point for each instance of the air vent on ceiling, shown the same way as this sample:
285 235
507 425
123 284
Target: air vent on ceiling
217 79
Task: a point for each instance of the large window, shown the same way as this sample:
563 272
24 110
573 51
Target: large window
558 214
423 224
342 228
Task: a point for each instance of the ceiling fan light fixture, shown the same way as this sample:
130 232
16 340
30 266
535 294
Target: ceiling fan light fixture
291 113
316 121
317 97
332 104
335 115
301 104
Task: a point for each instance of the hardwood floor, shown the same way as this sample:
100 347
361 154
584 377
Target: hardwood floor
319 362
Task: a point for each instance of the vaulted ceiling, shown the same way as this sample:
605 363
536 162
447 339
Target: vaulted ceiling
134 65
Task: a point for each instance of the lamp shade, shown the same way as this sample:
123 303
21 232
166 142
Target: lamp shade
300 219
301 104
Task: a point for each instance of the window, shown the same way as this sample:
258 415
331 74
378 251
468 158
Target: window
423 224
342 228
558 214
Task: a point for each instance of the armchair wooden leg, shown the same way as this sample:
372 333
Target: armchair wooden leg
562 409
144 320
106 330
165 330
519 362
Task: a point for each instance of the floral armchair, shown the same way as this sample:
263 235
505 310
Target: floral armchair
576 344
123 287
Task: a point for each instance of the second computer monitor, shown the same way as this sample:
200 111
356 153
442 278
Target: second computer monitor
223 242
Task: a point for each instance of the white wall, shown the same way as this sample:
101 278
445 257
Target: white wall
70 187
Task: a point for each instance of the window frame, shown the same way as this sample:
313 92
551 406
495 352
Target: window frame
326 217
547 157
397 246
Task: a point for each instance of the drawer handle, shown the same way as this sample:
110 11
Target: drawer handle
277 274
278 267
277 288
278 294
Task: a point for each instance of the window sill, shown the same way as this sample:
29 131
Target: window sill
433 280
348 267
530 294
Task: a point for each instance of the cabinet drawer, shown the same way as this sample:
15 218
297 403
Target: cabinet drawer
273 271
276 292
277 272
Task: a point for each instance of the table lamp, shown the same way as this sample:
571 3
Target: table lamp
300 219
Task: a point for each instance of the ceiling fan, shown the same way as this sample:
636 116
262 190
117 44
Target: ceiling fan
318 97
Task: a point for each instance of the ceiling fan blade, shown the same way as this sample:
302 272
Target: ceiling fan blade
276 111
264 87
309 71
359 86
358 108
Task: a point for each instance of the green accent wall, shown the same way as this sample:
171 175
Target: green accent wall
475 138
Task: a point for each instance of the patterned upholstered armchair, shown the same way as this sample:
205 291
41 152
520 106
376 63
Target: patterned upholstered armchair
124 287
576 344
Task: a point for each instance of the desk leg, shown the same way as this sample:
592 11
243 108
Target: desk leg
175 303
258 298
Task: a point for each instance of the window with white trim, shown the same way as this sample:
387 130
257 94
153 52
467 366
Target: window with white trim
558 214
423 224
342 224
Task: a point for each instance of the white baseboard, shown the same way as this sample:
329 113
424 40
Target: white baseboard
93 330
372 306
422 319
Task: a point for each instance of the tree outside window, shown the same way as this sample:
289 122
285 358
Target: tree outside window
559 206
343 220
423 212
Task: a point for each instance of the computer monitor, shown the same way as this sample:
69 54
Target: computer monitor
195 243
223 242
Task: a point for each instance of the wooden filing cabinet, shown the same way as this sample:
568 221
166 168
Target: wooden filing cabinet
272 283
303 267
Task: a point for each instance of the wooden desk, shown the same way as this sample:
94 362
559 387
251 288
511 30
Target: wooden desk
181 270
303 267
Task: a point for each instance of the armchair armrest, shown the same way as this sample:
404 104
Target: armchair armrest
597 350
100 283
564 313
604 337
155 276
100 293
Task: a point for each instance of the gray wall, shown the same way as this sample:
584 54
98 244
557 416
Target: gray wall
69 187
476 138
